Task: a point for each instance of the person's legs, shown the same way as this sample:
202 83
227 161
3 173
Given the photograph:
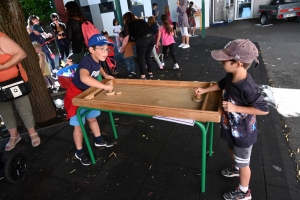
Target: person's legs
242 162
132 65
156 58
150 46
182 37
118 42
50 60
66 47
141 49
186 38
24 109
128 66
8 118
61 50
171 47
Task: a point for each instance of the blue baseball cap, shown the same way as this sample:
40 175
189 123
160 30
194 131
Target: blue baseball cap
99 40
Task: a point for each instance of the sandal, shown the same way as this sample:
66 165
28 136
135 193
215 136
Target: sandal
10 146
36 141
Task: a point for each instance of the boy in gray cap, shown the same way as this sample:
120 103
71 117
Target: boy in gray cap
242 101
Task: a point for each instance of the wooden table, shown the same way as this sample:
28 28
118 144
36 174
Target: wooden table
155 97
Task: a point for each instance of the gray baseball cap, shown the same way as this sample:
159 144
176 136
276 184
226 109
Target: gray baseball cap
242 50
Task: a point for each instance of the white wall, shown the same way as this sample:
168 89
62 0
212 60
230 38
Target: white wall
124 6
147 8
198 3
107 20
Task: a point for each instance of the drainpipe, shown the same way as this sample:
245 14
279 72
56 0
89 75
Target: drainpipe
119 12
203 18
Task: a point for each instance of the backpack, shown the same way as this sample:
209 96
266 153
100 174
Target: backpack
88 30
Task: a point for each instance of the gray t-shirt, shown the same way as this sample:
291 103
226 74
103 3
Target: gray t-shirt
240 129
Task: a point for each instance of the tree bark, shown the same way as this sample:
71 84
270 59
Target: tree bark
12 23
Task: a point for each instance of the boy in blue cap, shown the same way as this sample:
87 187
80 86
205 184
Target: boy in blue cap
85 77
242 101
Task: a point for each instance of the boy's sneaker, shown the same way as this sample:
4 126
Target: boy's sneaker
83 159
103 143
133 73
237 195
186 46
230 172
176 66
129 76
194 35
163 64
181 45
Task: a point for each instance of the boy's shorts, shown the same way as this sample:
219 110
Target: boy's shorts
241 155
74 120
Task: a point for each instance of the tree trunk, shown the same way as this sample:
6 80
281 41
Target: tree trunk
12 23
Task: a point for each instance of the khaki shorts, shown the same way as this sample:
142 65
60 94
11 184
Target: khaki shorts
24 109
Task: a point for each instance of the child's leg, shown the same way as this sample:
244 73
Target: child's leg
165 48
127 62
171 47
78 138
118 42
132 64
245 174
156 57
93 123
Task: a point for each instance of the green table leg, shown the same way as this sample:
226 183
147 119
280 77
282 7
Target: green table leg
211 138
86 139
113 124
203 164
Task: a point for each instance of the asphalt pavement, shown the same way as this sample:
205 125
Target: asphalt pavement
154 159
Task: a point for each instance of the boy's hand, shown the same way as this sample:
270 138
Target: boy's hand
199 91
109 77
228 106
108 87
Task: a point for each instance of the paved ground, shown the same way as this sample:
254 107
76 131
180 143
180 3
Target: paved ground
161 160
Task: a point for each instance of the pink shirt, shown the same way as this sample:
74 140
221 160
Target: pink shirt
166 38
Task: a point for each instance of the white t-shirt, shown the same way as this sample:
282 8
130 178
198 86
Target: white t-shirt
117 29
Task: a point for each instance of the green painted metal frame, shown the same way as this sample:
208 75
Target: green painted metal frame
209 127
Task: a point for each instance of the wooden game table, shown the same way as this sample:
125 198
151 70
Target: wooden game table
155 97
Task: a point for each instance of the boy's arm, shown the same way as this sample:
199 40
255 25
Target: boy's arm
211 88
88 80
230 107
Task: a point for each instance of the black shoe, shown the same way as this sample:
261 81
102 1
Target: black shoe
237 194
83 159
103 143
230 172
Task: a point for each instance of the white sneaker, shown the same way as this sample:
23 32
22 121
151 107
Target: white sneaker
186 46
163 64
189 35
181 45
176 66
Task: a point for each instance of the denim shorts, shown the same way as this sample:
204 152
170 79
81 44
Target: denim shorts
241 155
74 120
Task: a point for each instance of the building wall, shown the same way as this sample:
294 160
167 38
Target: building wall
104 21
